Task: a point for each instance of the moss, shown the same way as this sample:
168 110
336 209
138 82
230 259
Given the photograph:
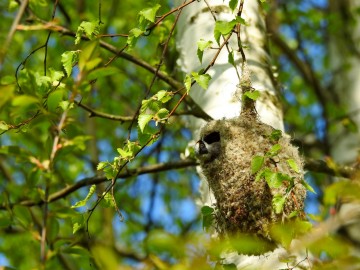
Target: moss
243 204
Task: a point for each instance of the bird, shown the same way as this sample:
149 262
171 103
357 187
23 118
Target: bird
209 147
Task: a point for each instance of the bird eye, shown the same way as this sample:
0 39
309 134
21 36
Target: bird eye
212 137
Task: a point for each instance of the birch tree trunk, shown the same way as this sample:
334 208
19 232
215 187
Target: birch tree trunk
222 98
345 61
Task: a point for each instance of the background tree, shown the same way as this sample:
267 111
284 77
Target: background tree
92 132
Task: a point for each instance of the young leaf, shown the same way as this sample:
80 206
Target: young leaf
68 59
77 222
223 28
150 13
276 135
102 72
202 45
102 165
233 4
162 113
207 210
275 149
254 95
307 186
124 154
3 126
55 98
208 218
108 201
275 179
202 80
143 120
256 163
278 203
91 30
261 174
231 59
133 37
241 20
84 201
163 96
292 164
187 83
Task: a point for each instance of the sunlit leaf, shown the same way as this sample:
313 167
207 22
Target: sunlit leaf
143 120
254 95
90 29
223 28
68 59
150 13
187 83
257 163
292 164
278 203
88 196
233 4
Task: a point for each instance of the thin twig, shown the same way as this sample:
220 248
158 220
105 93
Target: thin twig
94 113
11 33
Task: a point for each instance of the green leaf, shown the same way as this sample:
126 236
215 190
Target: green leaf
143 120
202 45
88 196
276 135
43 84
65 105
257 163
254 95
24 101
78 222
231 59
68 59
133 37
261 174
207 210
53 228
233 4
3 126
90 29
275 149
23 216
163 96
187 83
292 164
108 201
102 72
275 179
307 186
102 165
124 153
54 99
223 28
150 13
162 113
240 20
202 80
278 203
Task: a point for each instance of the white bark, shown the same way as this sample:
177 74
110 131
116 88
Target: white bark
345 61
221 99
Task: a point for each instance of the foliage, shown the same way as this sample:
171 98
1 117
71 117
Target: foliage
89 98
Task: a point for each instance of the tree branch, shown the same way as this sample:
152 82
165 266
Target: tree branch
169 80
94 113
318 166
99 179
